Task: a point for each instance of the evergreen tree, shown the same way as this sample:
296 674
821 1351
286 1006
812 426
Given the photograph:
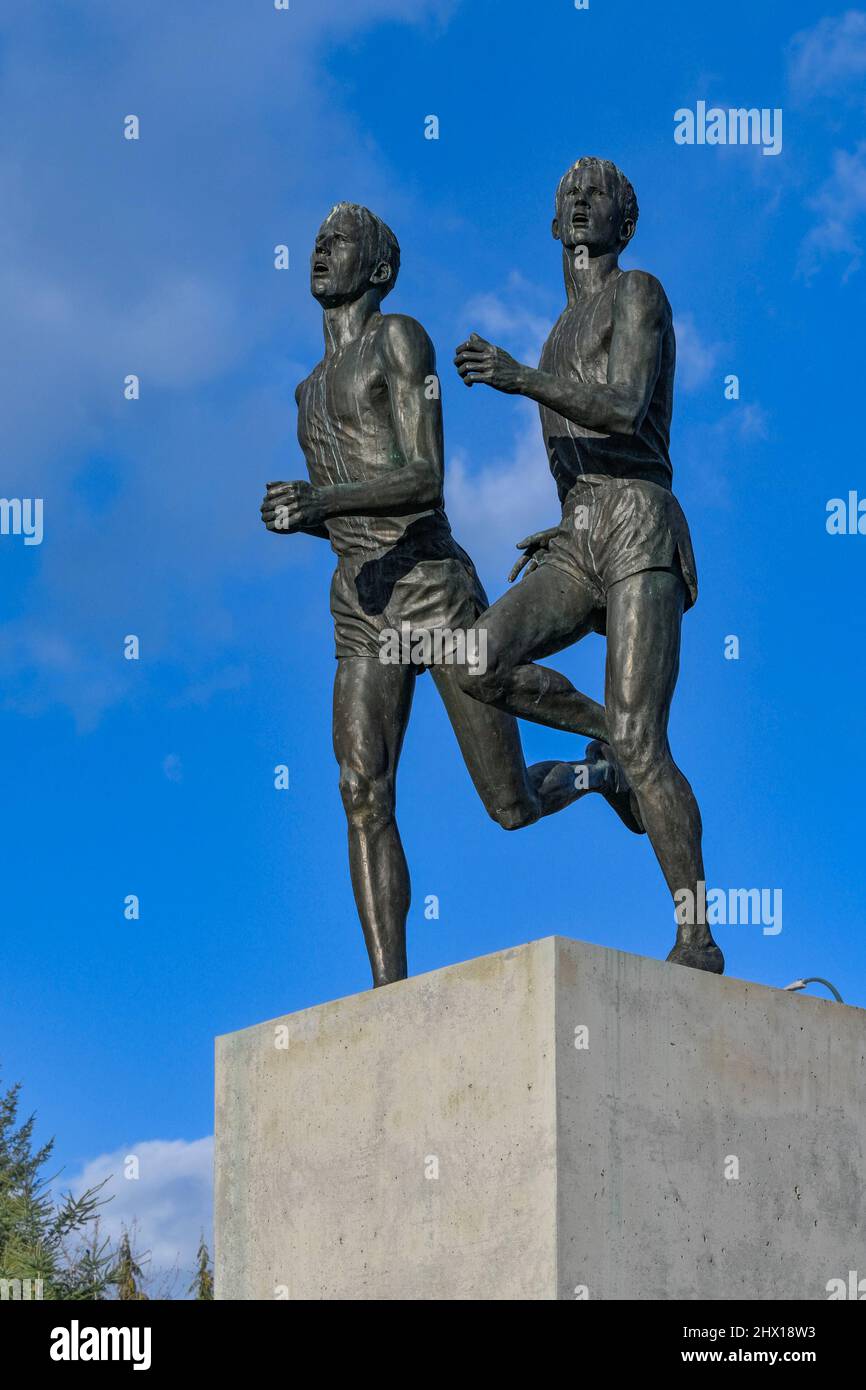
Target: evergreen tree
127 1275
35 1229
202 1284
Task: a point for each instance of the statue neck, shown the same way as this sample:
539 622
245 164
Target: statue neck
343 323
585 280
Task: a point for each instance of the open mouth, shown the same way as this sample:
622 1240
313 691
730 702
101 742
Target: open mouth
320 267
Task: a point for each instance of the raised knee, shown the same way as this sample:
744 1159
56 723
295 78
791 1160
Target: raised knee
368 800
514 816
482 682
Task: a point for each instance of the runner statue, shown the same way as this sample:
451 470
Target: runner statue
620 562
370 427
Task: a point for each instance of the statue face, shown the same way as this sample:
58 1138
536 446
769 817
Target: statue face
343 264
588 211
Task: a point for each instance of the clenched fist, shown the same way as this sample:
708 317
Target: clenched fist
292 507
478 360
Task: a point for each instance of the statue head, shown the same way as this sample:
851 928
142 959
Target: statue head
596 207
354 252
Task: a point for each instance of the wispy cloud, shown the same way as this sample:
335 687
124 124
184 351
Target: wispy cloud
155 257
841 206
708 453
518 317
829 58
696 355
827 66
493 507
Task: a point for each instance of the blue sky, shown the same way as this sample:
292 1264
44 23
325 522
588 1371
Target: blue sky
156 257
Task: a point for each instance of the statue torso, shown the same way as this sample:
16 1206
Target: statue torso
346 432
578 347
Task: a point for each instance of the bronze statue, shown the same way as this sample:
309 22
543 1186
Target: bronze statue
620 562
370 427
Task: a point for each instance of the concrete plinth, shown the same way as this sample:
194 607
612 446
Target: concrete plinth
553 1121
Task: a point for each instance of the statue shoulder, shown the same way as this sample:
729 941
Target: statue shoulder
404 342
638 290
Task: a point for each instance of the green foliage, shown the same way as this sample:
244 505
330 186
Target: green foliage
202 1284
41 1237
127 1275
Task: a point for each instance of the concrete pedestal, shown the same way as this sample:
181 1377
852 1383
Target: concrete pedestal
556 1121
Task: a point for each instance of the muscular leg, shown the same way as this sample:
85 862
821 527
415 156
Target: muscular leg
371 709
544 613
513 794
644 614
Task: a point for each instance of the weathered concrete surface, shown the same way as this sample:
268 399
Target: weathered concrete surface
323 1149
684 1073
561 1168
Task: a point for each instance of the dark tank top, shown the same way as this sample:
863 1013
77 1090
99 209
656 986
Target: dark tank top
344 442
578 348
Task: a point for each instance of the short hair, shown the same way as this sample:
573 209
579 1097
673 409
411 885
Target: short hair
627 195
380 240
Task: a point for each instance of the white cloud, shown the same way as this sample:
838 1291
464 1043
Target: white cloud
42 663
830 60
828 57
155 257
752 422
517 318
711 452
841 205
167 1207
492 504
696 357
492 507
